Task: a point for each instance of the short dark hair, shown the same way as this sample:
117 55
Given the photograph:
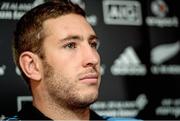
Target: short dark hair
28 35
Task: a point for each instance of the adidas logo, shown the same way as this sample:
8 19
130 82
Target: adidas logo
128 63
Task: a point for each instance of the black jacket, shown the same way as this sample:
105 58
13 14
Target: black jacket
29 112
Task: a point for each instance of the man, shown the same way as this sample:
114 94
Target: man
56 50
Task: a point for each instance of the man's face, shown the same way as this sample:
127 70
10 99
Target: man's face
72 63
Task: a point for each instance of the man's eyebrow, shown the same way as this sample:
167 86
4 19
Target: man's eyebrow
92 37
76 37
72 37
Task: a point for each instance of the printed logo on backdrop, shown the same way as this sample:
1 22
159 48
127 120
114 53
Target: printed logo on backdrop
14 10
119 12
2 70
160 10
163 53
18 72
81 3
128 63
127 108
21 100
92 19
102 69
169 107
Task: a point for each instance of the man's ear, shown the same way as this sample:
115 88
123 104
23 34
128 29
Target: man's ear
30 65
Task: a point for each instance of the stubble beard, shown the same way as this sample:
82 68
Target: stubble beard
63 92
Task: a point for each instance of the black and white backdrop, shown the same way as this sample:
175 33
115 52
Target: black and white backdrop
140 52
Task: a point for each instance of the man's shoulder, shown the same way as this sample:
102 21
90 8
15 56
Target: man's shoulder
28 112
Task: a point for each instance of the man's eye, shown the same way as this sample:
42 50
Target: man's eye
95 45
70 45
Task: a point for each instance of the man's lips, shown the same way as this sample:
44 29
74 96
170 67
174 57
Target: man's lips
90 78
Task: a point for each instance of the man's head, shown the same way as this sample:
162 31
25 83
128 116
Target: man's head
56 49
29 36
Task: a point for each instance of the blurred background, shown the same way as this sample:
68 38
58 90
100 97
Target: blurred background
140 53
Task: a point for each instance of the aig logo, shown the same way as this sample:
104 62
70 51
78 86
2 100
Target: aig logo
122 12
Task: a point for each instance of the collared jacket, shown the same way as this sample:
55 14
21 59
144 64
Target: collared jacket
29 112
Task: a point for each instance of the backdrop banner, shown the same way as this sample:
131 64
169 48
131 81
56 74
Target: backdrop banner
140 53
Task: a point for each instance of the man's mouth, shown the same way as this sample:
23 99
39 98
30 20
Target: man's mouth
89 78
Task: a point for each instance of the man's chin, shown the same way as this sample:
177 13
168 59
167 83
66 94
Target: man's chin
84 103
88 103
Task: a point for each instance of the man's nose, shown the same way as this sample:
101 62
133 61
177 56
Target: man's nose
90 56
